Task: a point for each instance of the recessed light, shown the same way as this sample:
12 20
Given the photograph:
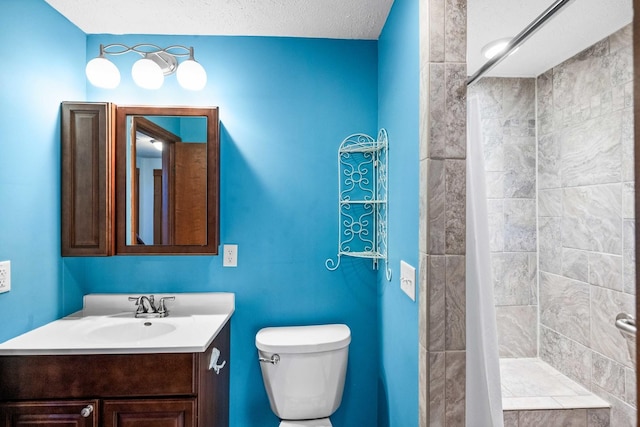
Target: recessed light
495 47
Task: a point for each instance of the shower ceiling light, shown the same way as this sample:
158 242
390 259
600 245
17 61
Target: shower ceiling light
149 71
495 47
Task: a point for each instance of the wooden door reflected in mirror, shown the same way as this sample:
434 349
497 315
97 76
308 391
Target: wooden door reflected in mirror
167 183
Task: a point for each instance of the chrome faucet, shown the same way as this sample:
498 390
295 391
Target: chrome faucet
147 308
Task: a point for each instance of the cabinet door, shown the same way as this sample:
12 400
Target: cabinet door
87 178
50 414
149 413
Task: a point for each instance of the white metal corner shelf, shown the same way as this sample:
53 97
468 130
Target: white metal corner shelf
363 168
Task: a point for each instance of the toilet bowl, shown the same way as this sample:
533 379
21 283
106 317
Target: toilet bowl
303 370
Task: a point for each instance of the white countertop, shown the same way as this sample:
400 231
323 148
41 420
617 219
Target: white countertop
106 325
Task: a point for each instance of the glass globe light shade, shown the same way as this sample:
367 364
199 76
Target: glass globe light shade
191 75
147 74
102 73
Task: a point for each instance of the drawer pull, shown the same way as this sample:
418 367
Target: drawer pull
86 411
213 363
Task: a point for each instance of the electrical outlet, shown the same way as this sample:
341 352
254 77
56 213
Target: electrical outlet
5 276
230 256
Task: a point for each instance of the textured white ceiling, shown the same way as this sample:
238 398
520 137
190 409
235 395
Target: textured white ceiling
338 19
579 25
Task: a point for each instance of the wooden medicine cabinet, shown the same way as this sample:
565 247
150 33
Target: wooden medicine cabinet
139 180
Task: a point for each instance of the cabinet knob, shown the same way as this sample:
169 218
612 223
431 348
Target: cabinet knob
86 411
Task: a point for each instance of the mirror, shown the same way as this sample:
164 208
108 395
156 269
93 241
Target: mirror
167 180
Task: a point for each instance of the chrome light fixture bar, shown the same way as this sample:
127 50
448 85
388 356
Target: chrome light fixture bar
149 71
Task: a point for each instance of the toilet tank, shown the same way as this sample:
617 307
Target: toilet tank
308 379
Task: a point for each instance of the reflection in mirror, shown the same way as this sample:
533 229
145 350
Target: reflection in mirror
164 182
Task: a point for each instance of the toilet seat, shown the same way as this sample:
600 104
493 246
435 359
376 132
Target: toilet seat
321 422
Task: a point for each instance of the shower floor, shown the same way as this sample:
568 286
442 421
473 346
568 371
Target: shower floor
531 384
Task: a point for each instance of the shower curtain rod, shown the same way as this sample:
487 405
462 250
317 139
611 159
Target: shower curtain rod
520 38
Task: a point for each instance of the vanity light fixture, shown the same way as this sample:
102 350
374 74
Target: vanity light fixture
149 71
495 47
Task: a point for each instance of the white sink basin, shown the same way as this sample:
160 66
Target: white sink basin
106 325
130 331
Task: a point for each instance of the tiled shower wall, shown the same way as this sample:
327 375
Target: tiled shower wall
507 111
585 219
585 216
442 296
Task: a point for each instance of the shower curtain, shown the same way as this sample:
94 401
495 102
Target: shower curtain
484 397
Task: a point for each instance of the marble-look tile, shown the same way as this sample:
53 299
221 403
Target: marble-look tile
557 418
581 76
495 185
455 388
455 303
529 403
520 225
608 375
544 84
591 151
510 418
489 92
621 415
566 355
436 207
514 278
564 306
598 417
423 206
437 389
605 270
495 212
493 151
622 65
630 387
436 283
456 108
628 200
548 161
550 246
455 31
605 337
519 176
629 256
592 218
436 12
437 112
550 202
423 300
575 264
517 331
455 216
423 386
519 98
628 142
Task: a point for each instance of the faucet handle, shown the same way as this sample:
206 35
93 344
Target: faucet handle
138 301
162 309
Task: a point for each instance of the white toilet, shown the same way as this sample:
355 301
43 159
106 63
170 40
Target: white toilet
303 369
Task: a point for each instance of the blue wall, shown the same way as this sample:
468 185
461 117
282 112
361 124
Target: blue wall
43 64
285 105
398 104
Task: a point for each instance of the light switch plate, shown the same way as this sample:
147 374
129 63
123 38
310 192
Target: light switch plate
408 280
5 276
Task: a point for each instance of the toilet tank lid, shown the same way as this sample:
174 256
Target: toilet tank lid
303 339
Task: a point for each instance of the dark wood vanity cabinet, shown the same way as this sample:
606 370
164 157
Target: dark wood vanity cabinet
87 182
123 390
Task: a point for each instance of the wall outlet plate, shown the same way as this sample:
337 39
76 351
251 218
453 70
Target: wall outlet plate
230 256
5 276
408 280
